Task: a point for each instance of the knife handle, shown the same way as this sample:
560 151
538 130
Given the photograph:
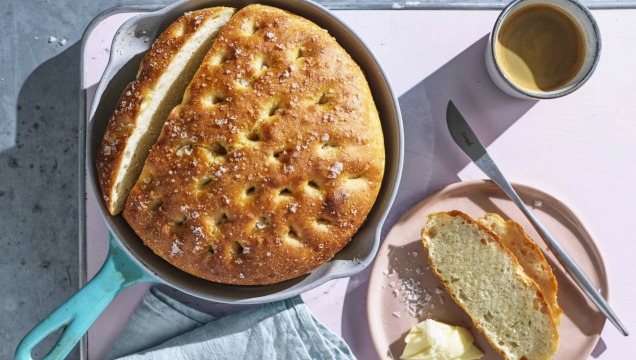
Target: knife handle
488 166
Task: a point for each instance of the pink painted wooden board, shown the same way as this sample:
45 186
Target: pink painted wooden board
577 148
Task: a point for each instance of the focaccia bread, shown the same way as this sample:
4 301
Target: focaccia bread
485 279
272 161
529 255
164 73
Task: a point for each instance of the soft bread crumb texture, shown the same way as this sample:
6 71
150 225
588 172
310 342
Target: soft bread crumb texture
141 111
486 280
272 161
529 256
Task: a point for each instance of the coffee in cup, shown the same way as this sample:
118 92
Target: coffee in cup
543 48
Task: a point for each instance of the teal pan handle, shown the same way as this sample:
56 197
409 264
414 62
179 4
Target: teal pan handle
79 312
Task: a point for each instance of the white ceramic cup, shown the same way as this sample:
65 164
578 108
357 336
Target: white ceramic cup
591 36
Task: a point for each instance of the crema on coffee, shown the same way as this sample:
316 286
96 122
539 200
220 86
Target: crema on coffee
540 48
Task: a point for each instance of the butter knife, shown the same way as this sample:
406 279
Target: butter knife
465 138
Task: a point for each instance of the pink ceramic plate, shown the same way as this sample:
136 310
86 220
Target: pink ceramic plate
403 291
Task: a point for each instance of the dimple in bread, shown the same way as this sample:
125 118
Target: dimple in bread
164 73
529 256
485 279
272 161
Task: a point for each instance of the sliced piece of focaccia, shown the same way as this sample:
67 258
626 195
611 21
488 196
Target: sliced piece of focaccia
485 279
165 71
529 255
271 163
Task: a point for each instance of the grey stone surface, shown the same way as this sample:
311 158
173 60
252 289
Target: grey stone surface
39 116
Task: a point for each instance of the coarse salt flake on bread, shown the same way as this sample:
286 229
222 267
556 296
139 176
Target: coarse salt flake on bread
485 279
139 115
272 161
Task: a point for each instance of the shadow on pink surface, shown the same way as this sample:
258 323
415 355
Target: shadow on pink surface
432 160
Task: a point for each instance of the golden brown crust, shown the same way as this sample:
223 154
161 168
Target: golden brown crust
272 161
522 276
123 120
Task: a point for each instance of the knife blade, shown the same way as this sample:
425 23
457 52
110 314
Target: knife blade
466 139
462 134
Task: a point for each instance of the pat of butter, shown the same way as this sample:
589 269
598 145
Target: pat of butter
434 340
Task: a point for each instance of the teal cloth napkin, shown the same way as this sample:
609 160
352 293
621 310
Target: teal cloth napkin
163 328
